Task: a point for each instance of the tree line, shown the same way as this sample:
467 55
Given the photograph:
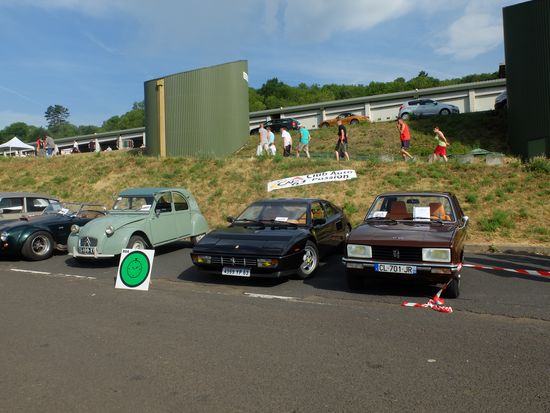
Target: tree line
271 95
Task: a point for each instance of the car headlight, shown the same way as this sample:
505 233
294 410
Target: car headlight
75 229
267 262
359 251
436 254
4 236
201 259
109 230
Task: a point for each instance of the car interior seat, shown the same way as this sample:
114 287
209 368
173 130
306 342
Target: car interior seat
398 210
438 212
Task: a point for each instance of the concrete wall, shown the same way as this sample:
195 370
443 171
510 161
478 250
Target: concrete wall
469 97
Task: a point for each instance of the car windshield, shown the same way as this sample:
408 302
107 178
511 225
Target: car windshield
133 203
412 207
63 208
275 212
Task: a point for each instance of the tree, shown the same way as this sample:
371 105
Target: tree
56 116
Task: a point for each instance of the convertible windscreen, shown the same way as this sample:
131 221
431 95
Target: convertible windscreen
415 208
290 213
133 203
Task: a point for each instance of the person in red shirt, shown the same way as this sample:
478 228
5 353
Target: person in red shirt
405 137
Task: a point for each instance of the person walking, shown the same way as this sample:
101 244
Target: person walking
50 146
304 141
342 143
272 149
262 145
405 137
287 141
39 147
441 148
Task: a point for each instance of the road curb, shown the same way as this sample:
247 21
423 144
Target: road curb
508 249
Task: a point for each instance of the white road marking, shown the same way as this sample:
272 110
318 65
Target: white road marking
80 277
271 297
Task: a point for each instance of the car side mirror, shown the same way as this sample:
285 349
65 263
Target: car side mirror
319 221
230 219
157 212
465 220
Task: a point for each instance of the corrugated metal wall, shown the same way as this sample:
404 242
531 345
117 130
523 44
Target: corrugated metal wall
206 111
527 48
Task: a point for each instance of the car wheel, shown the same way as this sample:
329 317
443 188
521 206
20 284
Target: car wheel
405 116
196 239
355 281
444 112
310 261
324 125
38 246
354 122
137 243
453 289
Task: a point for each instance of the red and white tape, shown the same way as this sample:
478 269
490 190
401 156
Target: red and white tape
435 303
542 273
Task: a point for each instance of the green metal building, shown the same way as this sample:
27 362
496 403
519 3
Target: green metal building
202 112
527 48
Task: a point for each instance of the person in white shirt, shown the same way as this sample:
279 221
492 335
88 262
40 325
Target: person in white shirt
287 141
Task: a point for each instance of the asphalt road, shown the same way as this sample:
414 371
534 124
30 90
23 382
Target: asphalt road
70 341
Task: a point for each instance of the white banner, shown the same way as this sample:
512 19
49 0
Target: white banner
315 178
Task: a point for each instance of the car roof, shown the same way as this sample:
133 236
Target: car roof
151 191
26 194
420 193
287 200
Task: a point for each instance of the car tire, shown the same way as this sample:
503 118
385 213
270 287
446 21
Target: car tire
310 261
444 112
453 289
39 246
354 122
324 125
196 239
405 116
137 242
355 281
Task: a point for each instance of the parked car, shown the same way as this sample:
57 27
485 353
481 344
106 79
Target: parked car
347 118
274 238
426 107
277 124
35 238
13 205
409 235
141 218
501 101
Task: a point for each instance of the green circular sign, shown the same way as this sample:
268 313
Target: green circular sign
134 269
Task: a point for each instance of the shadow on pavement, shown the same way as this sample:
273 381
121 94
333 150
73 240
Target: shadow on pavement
514 262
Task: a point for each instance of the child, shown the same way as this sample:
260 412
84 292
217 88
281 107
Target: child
442 144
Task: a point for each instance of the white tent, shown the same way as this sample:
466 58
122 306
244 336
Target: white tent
15 144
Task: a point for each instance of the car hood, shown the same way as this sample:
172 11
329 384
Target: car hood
98 225
250 240
404 234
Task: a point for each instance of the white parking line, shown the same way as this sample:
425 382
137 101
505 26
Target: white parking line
80 277
271 297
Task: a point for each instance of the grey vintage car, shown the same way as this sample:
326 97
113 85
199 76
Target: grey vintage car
14 205
141 218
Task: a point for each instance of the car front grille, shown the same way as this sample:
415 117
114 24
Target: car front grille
234 261
87 242
396 253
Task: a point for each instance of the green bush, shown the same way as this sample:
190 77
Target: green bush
539 165
500 220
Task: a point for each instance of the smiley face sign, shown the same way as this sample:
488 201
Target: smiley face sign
134 270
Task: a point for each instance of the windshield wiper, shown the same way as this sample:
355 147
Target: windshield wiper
250 221
382 219
274 221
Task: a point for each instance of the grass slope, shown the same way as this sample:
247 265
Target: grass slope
506 204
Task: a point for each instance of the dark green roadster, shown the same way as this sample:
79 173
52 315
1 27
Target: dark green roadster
35 238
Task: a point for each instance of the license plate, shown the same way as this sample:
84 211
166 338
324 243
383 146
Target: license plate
86 250
401 269
236 272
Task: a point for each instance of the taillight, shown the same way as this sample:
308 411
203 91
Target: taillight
401 107
293 124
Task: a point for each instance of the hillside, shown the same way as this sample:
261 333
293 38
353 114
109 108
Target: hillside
506 204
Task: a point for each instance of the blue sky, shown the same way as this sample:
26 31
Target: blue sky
92 56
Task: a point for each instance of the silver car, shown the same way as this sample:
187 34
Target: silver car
13 205
426 107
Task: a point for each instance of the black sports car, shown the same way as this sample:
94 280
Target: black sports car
36 237
274 238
